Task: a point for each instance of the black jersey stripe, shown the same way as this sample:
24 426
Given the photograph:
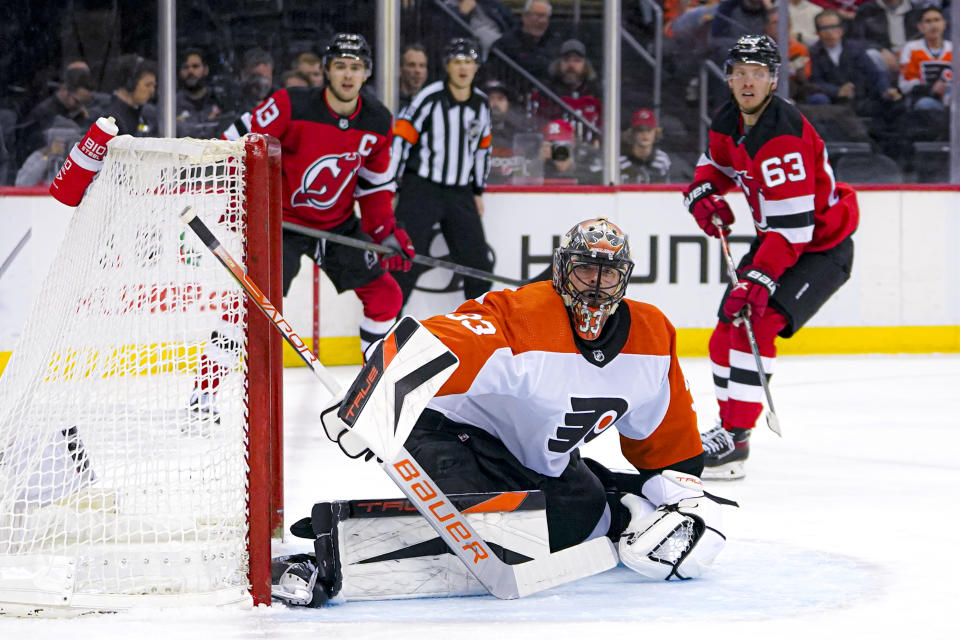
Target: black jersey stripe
447 150
791 221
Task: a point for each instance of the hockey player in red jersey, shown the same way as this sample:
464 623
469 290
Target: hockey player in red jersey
803 251
336 151
543 370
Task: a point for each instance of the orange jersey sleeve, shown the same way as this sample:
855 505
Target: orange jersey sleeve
676 438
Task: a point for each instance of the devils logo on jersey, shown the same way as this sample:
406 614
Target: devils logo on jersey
324 181
590 417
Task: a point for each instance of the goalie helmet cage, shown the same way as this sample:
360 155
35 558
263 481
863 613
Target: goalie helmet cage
115 491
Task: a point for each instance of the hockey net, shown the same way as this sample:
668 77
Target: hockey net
114 492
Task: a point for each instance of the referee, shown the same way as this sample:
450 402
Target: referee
440 156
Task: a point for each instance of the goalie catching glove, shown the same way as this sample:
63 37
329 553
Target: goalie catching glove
703 202
678 539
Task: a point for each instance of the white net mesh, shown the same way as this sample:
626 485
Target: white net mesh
111 487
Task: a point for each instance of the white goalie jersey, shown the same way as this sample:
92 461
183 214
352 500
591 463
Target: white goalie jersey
535 391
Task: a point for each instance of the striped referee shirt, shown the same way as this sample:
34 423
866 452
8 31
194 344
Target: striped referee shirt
442 140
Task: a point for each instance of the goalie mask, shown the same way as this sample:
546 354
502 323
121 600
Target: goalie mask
591 269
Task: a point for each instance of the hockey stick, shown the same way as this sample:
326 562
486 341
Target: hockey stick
16 250
499 578
772 421
419 259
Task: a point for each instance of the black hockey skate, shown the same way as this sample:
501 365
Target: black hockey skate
725 452
294 581
311 579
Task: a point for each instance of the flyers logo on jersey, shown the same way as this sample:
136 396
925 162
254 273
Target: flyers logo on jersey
590 417
324 181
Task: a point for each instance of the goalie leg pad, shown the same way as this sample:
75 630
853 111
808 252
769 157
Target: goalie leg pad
672 541
383 549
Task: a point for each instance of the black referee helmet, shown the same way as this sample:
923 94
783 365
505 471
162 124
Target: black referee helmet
461 48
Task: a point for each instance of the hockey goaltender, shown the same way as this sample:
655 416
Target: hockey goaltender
542 370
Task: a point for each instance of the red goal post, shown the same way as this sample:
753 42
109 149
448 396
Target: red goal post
265 403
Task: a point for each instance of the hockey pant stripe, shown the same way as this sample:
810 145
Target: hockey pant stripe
720 377
736 378
372 330
745 361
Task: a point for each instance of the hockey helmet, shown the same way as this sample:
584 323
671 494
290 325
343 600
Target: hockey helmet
754 50
591 270
461 48
349 45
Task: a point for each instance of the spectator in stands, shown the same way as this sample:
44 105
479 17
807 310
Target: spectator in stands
843 73
197 103
413 71
802 27
693 25
43 163
925 63
735 18
69 101
308 65
846 8
293 78
565 161
256 80
129 103
687 44
641 161
799 57
506 121
533 45
100 98
488 21
572 77
884 26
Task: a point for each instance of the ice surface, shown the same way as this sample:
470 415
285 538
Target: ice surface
847 528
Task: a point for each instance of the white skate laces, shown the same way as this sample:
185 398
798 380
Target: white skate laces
717 441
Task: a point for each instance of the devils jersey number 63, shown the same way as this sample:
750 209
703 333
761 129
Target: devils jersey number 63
777 171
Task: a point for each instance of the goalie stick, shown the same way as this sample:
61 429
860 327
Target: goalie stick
772 420
502 580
